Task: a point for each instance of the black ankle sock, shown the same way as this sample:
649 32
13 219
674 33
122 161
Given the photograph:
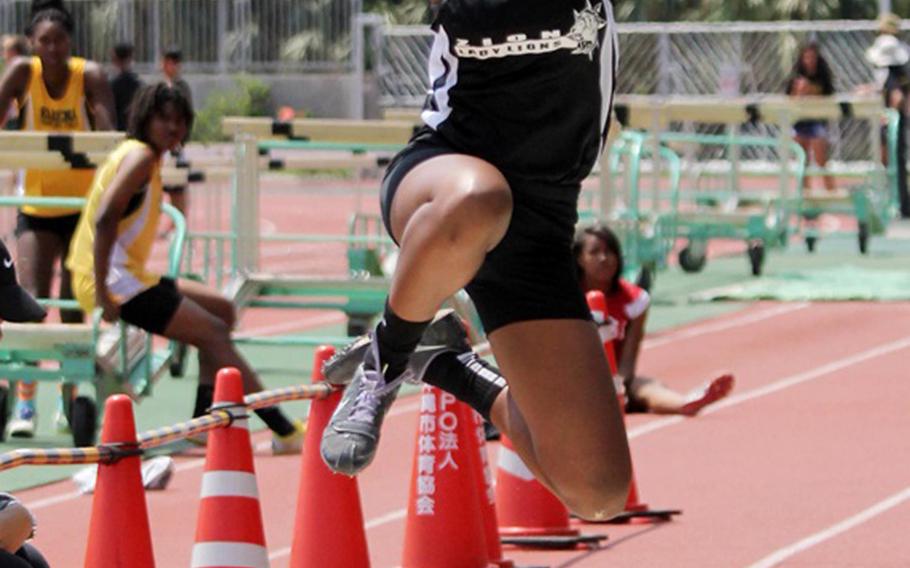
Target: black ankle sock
275 420
204 394
468 378
397 339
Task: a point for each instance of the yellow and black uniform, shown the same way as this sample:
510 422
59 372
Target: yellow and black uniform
146 299
43 113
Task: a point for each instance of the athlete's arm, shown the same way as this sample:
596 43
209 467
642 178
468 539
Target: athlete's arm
130 179
13 84
631 345
99 96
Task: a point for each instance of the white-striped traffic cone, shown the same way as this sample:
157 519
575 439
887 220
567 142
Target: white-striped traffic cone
229 526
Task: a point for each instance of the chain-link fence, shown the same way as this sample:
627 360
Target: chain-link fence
677 59
216 36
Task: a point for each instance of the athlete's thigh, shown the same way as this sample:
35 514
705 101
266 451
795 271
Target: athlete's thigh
208 298
559 378
36 253
193 324
438 179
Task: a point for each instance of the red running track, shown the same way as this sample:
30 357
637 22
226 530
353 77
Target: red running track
806 464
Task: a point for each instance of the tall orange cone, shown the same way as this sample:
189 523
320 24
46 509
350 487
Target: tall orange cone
444 525
635 508
119 527
529 514
229 526
483 480
328 526
524 506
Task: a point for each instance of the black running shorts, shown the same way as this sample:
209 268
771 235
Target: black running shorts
531 273
64 226
154 308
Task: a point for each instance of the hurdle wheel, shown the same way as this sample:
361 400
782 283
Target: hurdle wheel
358 324
83 421
4 411
862 236
691 262
178 360
645 278
756 257
810 243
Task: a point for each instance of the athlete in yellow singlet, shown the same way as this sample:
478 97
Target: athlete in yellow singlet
59 93
111 248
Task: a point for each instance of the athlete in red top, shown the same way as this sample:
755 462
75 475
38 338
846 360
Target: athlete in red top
599 258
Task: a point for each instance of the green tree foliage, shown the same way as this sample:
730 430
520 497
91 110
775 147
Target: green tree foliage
403 12
750 10
249 97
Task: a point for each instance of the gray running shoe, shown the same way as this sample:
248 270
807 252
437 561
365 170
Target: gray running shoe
445 333
351 437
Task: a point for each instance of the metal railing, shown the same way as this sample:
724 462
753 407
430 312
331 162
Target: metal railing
671 59
216 36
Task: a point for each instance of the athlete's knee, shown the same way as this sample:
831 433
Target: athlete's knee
599 493
213 337
478 210
224 310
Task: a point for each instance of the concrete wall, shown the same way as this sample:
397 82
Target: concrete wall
323 95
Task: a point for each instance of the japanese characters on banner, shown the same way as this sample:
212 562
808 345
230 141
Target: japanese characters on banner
437 445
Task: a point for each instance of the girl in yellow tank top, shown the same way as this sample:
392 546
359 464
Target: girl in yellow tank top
54 92
112 245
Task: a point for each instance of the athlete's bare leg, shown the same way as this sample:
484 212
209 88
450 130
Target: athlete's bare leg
560 410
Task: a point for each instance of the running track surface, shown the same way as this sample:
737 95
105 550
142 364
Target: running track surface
806 464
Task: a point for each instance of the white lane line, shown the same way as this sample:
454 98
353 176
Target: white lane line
298 325
713 327
49 501
392 517
782 554
778 385
483 349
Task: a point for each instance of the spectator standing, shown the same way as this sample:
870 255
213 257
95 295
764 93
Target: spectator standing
812 78
124 83
56 92
889 57
171 63
14 46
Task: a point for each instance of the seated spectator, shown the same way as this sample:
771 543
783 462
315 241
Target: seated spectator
113 242
599 258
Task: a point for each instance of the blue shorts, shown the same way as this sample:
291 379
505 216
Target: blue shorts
810 129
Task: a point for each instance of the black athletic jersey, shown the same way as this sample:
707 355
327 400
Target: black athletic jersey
525 84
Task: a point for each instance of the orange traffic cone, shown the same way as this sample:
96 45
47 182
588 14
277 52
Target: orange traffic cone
529 514
328 527
483 480
635 508
229 526
524 506
119 526
444 525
